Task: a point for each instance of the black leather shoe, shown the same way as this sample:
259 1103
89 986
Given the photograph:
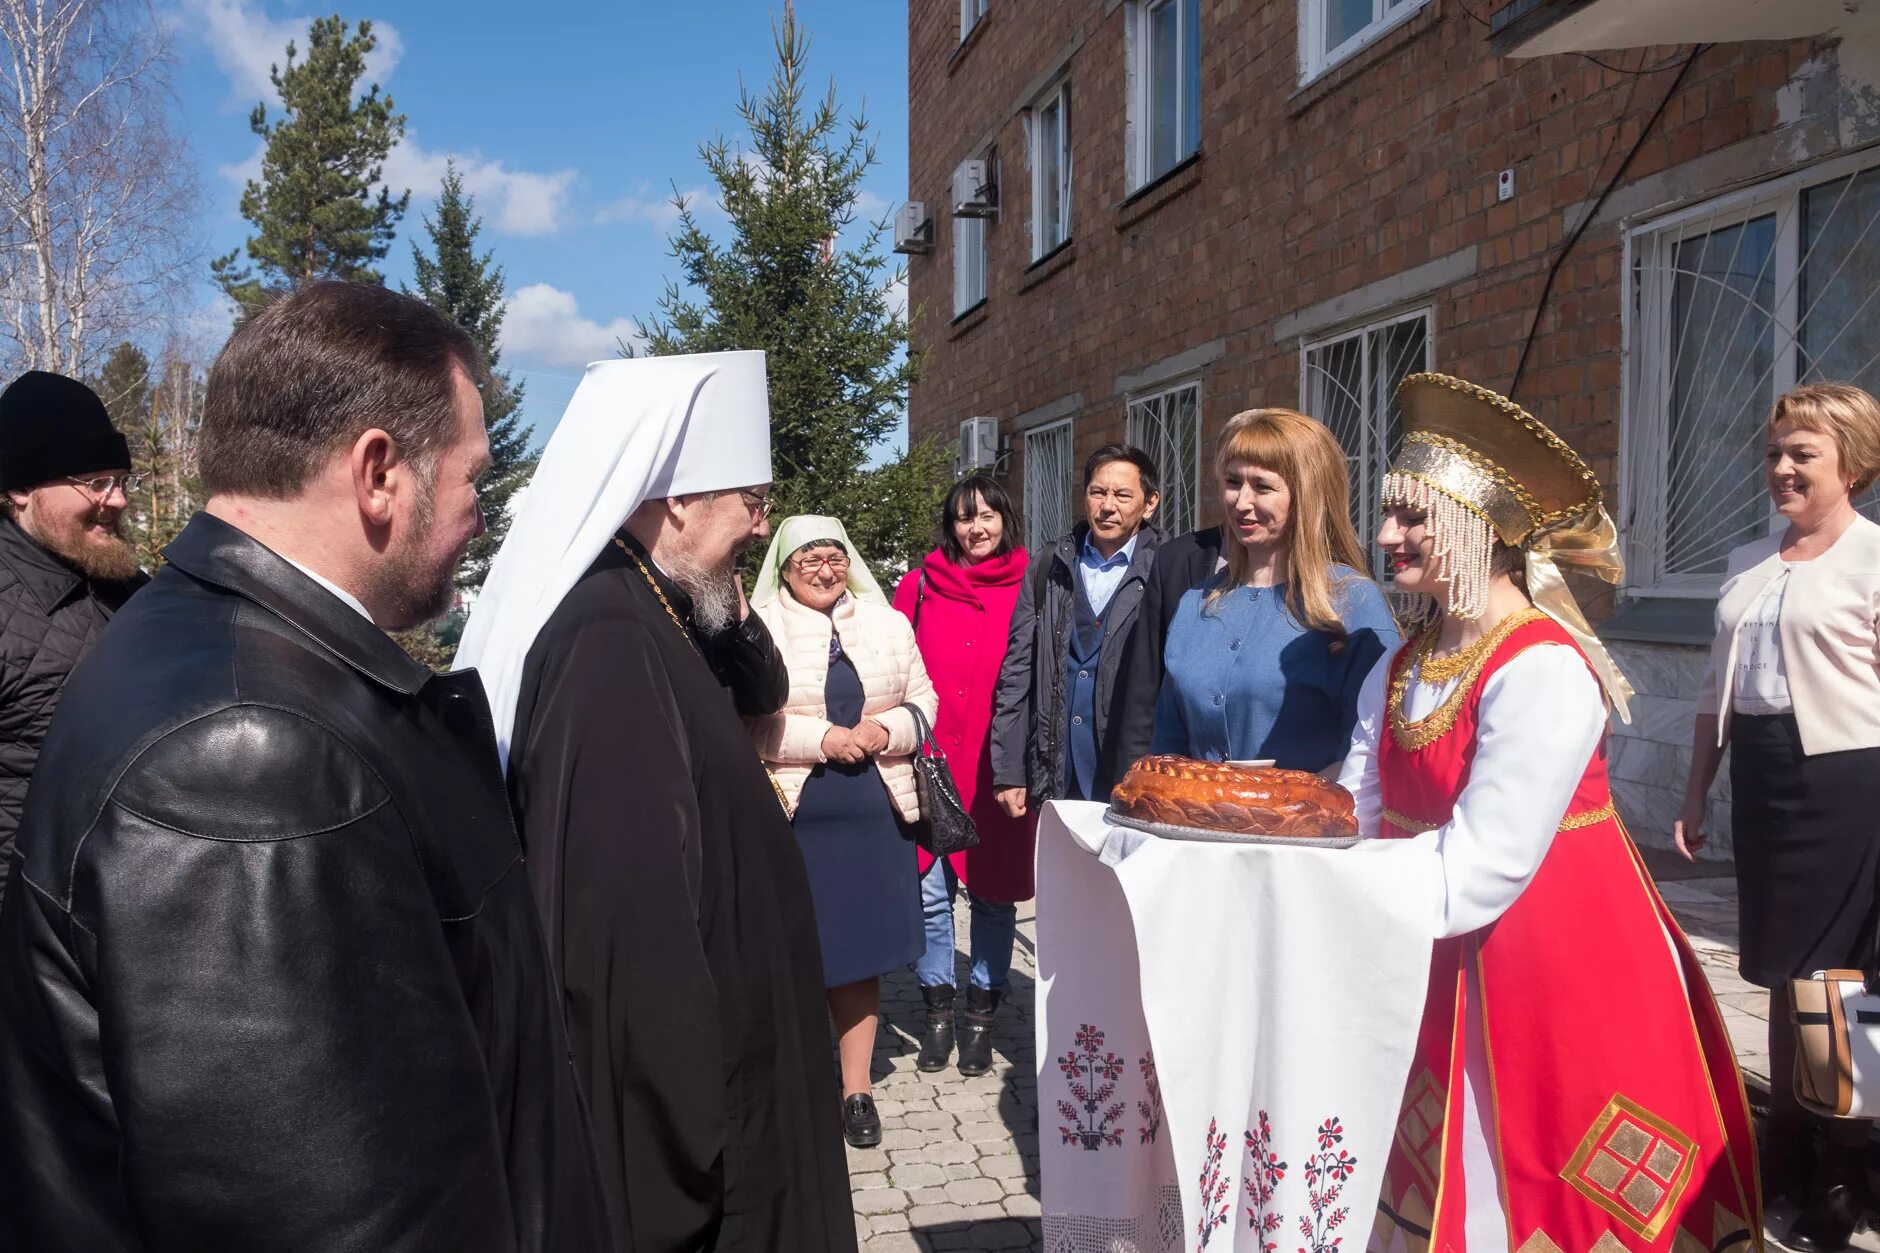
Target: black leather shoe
861 1125
1835 1203
982 1005
936 1042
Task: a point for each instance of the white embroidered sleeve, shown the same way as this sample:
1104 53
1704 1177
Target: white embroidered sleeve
1359 776
1542 716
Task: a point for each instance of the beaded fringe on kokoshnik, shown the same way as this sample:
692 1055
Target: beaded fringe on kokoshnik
1464 544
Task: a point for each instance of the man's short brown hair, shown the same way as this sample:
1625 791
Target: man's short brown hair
311 372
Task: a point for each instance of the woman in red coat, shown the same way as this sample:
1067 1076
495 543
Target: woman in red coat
960 601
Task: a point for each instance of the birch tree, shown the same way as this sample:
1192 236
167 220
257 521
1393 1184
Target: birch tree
96 198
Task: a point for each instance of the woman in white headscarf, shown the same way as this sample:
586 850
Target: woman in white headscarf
839 753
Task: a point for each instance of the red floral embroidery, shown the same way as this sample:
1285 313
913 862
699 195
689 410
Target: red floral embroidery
1265 1170
1092 1072
1326 1173
1150 1109
1214 1205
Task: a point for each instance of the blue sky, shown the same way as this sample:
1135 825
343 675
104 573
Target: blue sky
571 120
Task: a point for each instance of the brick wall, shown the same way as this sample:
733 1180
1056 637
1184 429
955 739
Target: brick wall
1375 184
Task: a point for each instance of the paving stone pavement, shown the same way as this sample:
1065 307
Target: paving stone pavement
958 1162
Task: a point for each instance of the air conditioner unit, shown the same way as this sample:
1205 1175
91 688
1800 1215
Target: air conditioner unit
979 444
913 229
974 195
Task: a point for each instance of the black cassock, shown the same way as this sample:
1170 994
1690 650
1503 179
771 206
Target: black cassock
678 914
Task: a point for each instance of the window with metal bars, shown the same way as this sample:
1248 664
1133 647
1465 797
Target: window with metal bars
1167 426
1047 503
1349 382
1730 304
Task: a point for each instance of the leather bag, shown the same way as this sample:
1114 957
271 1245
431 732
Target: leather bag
1836 1018
944 827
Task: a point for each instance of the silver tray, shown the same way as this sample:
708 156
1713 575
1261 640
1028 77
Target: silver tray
1171 831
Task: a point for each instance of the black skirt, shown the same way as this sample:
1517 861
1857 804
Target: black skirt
1807 836
863 876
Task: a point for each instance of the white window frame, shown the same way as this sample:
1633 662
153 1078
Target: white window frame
1041 532
1372 461
1190 480
1138 126
971 281
972 12
1646 476
1042 223
1315 58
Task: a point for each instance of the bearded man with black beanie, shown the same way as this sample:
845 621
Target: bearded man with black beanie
64 568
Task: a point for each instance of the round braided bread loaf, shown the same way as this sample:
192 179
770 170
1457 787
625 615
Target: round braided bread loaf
1183 792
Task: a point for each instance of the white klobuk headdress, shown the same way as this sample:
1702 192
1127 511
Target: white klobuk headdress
637 429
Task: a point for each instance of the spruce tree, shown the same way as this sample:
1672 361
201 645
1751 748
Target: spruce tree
782 282
468 289
314 211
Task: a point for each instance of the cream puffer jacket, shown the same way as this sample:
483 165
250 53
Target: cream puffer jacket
880 644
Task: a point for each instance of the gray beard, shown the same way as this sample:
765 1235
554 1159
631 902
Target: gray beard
714 592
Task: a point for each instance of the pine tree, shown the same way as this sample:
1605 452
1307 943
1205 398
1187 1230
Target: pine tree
158 419
314 211
468 289
838 364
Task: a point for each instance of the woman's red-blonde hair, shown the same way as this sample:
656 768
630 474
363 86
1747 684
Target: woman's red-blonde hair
1318 532
1845 414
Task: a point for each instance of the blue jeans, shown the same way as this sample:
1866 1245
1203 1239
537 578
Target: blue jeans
994 926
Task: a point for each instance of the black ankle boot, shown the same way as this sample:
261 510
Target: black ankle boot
976 1031
936 1042
861 1125
1836 1200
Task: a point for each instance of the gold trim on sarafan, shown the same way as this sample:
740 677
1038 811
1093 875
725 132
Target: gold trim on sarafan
1562 475
1633 1165
1572 822
1420 734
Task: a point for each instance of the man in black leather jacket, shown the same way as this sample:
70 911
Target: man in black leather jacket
270 975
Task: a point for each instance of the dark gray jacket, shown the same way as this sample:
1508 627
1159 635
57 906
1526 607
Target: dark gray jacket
1028 711
49 616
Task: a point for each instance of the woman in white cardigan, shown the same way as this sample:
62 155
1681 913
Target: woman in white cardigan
840 753
1793 690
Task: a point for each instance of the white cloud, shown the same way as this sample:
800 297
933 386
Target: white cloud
543 325
517 202
247 43
869 207
657 211
244 172
897 294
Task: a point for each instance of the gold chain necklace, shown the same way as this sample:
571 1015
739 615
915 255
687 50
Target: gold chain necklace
657 591
1415 735
1436 668
775 787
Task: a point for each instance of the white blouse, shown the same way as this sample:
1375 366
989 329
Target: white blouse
1541 716
1761 682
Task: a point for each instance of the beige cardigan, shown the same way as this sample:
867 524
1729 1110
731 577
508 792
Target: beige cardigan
880 644
1830 633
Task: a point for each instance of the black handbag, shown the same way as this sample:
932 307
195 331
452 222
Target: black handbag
944 826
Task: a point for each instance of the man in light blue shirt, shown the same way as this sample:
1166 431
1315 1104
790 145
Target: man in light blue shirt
1075 615
1102 575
